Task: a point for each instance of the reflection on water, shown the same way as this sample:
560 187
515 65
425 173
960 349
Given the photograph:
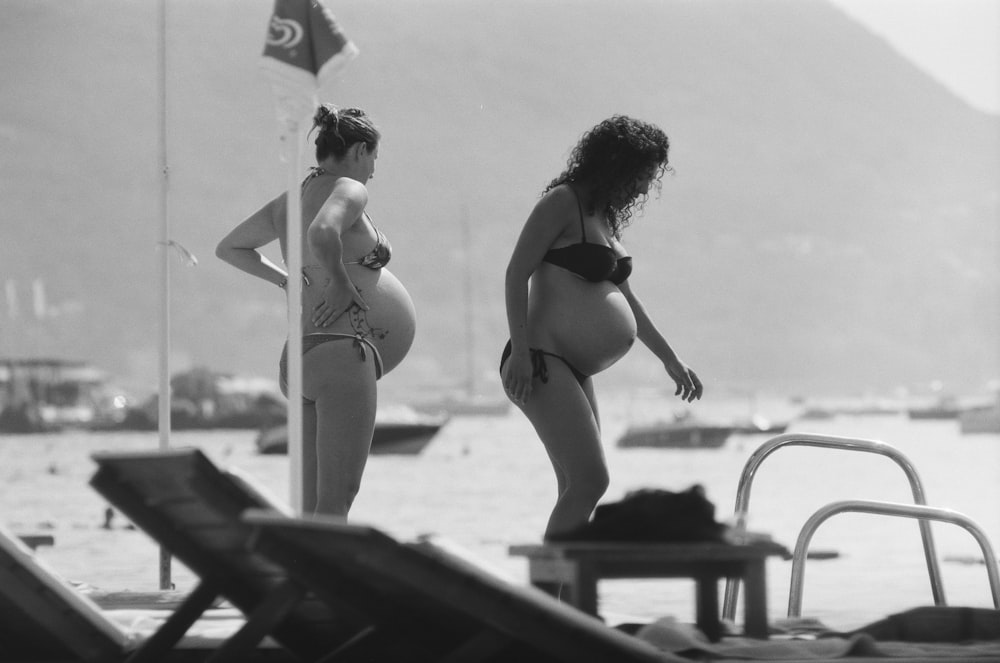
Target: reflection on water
485 483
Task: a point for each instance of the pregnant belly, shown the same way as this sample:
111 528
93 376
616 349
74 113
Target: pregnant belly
589 324
389 323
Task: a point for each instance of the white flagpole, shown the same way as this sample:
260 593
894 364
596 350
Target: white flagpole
292 139
296 83
164 246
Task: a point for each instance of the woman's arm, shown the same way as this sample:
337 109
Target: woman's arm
689 387
239 247
341 210
546 222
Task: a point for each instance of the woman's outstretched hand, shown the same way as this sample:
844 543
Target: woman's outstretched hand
688 385
337 300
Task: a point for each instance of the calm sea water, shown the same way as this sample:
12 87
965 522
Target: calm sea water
485 483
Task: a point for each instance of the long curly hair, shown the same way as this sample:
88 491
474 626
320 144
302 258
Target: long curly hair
339 128
610 160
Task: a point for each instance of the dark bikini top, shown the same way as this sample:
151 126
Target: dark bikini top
594 262
380 254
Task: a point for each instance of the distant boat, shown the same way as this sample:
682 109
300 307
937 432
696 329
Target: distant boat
203 399
759 425
684 432
43 394
398 430
466 404
754 423
980 418
945 407
817 413
872 408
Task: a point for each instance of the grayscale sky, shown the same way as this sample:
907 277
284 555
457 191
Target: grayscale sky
955 41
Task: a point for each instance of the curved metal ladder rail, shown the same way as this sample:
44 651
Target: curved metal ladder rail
923 513
831 442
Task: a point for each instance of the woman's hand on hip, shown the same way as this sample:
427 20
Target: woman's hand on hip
337 300
517 377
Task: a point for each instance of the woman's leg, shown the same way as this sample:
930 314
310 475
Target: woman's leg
564 417
343 387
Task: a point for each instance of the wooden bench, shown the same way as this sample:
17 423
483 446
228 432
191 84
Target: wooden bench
571 572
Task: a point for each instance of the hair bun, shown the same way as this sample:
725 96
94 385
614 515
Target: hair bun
324 113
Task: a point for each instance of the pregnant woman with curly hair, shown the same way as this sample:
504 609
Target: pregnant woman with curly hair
580 315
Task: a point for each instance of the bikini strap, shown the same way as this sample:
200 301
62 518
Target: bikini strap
380 238
579 206
314 171
539 368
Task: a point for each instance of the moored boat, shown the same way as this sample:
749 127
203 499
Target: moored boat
684 432
466 405
946 407
980 418
398 430
203 399
817 413
46 394
759 425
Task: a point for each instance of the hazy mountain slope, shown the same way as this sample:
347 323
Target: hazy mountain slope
832 221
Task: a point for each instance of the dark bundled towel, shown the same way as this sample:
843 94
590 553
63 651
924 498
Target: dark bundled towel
937 624
652 516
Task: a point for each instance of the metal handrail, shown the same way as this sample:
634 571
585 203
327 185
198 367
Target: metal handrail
831 442
924 513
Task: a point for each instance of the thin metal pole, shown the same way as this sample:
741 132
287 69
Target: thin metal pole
293 144
164 246
832 442
470 322
919 511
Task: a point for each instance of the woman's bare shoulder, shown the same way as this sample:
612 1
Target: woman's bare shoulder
558 202
342 204
351 190
553 215
561 195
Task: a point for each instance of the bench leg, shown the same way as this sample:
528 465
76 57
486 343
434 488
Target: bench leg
581 590
755 600
707 607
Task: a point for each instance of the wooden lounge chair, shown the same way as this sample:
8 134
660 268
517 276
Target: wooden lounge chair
192 508
444 606
43 617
